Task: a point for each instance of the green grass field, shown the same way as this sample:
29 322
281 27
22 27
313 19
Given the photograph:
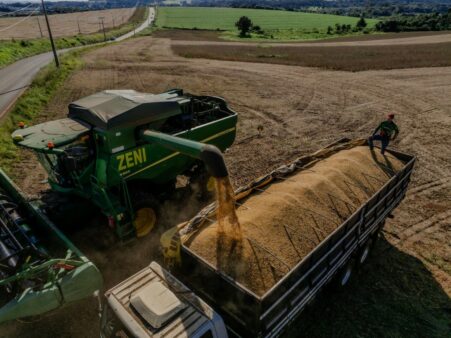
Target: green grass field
282 25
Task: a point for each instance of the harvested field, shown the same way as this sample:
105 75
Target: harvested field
212 35
286 112
312 203
188 34
349 58
64 24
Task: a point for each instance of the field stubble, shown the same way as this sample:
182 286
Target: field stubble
349 58
213 35
64 24
285 112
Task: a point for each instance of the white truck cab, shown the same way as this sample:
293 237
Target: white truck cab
153 303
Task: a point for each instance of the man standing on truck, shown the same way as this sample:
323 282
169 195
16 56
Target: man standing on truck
386 129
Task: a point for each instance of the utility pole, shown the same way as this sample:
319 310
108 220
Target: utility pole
55 55
78 24
114 26
103 27
39 24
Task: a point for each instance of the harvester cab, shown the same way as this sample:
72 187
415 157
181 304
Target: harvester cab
123 150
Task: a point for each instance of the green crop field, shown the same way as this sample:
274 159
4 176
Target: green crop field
280 24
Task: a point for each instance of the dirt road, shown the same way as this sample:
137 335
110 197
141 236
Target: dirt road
404 290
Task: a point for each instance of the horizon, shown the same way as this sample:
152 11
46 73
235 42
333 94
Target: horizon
33 1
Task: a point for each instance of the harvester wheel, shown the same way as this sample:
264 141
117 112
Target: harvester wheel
146 216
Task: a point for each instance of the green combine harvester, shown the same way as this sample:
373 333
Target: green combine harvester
40 269
122 151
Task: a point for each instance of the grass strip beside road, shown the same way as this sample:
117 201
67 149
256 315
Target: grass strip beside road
12 51
31 104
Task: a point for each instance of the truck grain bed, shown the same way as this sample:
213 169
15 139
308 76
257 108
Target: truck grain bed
265 314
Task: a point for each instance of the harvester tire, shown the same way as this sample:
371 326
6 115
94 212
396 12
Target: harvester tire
146 211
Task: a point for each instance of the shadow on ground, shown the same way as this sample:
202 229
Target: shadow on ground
392 295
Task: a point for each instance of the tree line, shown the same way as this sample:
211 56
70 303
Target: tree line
357 8
246 26
421 22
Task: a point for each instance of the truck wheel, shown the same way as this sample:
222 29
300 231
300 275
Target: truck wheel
345 274
365 252
146 216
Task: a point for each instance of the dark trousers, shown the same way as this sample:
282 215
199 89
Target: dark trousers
385 140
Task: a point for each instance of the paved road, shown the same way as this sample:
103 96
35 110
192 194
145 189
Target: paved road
15 78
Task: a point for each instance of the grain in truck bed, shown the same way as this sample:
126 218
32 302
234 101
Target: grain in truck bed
286 220
262 313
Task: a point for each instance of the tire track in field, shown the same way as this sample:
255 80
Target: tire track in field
426 188
415 105
269 117
437 220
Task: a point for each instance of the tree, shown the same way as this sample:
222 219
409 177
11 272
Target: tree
361 24
244 25
329 30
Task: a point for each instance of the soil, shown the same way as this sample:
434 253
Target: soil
285 222
63 24
188 34
286 112
349 58
211 35
405 40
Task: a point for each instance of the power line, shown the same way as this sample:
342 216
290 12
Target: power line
20 9
55 55
103 27
13 90
39 25
18 22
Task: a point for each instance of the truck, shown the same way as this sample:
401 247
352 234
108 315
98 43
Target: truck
196 299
